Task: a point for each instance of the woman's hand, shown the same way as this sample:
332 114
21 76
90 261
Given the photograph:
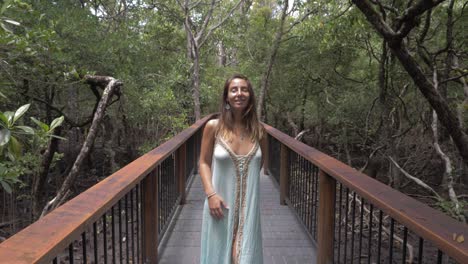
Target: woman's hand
216 204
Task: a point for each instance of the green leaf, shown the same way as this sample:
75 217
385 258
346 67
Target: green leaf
6 186
57 122
4 119
9 115
13 178
10 156
20 112
12 22
15 147
5 5
26 129
2 95
5 135
3 170
44 126
5 27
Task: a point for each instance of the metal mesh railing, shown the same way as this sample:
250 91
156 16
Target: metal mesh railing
119 220
354 218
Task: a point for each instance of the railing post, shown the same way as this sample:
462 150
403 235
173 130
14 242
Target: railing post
326 211
181 171
150 218
284 174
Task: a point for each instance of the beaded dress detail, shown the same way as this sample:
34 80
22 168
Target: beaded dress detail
236 179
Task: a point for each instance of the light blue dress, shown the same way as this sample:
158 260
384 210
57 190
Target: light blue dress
236 179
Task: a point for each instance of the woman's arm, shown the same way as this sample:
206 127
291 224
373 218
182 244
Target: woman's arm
206 155
215 202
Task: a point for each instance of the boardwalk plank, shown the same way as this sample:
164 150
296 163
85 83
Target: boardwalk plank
284 238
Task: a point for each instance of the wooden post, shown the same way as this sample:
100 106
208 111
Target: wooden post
326 211
150 218
284 174
181 171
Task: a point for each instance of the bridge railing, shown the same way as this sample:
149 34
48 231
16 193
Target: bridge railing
122 218
355 219
351 217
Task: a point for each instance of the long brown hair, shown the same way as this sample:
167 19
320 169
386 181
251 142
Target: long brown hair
249 118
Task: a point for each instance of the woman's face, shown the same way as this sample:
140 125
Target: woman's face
238 94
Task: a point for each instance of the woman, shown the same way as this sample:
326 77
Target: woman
230 162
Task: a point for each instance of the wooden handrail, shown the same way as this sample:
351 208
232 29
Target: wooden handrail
46 238
425 221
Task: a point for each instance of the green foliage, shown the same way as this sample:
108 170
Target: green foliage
8 24
147 147
449 207
13 162
10 147
7 178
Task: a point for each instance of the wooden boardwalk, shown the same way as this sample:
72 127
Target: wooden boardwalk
284 238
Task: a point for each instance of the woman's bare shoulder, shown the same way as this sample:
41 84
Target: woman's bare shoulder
212 123
210 127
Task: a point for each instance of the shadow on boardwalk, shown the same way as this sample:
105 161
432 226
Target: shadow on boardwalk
284 238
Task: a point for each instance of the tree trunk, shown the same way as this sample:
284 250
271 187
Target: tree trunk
303 109
196 84
271 60
196 37
449 47
62 194
194 56
446 116
221 54
39 180
461 111
386 104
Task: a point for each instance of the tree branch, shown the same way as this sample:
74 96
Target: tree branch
384 6
213 28
407 21
292 124
456 78
300 20
375 19
414 179
85 149
206 21
427 24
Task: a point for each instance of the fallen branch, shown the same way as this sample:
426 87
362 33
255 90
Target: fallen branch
64 190
292 124
370 157
301 134
416 180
